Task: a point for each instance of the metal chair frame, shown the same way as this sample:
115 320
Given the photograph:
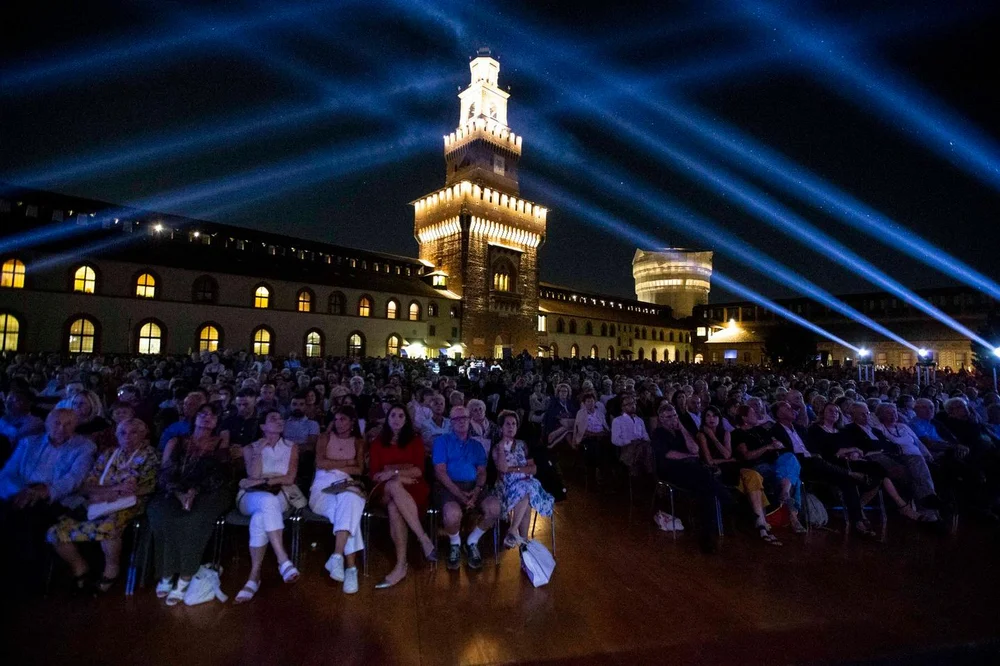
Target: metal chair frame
671 489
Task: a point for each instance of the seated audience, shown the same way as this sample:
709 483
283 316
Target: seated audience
628 433
271 465
193 491
460 470
517 487
338 496
114 492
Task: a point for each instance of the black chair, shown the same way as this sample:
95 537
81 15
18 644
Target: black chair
306 516
236 518
671 490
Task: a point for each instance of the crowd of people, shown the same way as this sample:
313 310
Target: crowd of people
89 443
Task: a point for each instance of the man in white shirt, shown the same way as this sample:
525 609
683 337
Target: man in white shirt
438 424
628 433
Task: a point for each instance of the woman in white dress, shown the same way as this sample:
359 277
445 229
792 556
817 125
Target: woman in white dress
271 464
340 455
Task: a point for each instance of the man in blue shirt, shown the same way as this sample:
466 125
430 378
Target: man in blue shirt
44 471
460 469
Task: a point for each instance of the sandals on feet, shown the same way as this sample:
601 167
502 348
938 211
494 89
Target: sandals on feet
288 572
163 587
908 511
104 583
510 541
246 594
864 529
177 594
766 536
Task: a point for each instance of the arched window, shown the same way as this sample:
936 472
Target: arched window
304 301
391 309
560 326
12 274
414 311
150 338
432 310
337 302
262 297
594 352
205 290
572 326
604 330
588 328
642 353
208 338
554 349
10 331
356 344
611 330
611 353
645 334
574 351
698 358
82 336
661 337
392 345
498 347
365 306
502 273
453 312
652 355
671 336
262 339
145 286
84 280
314 344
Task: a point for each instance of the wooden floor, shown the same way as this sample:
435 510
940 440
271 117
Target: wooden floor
622 594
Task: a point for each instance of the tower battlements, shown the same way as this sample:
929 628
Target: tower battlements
483 128
451 198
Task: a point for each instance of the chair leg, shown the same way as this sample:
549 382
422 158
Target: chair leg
552 524
432 518
220 532
296 528
673 513
133 556
718 517
496 542
366 530
534 521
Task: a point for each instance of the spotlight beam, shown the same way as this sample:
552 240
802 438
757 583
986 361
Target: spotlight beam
899 101
781 218
663 207
89 61
604 221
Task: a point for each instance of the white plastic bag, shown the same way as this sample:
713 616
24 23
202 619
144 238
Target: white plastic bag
537 562
204 586
668 523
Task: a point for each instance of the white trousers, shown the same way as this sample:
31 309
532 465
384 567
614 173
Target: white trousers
344 512
265 511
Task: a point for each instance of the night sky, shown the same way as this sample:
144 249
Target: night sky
368 89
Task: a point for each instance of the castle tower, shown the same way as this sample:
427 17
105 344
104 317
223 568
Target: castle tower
675 276
477 230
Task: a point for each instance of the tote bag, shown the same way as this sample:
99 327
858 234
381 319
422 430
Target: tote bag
537 562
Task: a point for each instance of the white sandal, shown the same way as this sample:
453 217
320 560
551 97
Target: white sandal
246 594
163 587
177 594
288 572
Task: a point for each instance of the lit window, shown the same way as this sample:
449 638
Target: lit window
365 307
355 345
262 297
305 301
208 338
262 342
391 309
414 311
432 310
13 274
81 336
392 346
10 329
84 280
541 323
594 352
574 351
149 338
145 286
314 344
501 280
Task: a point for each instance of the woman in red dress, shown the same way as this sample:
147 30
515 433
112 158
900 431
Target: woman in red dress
397 467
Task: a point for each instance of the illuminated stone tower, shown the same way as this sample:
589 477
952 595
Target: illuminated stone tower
674 276
477 230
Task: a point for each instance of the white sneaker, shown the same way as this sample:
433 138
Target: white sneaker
335 565
351 580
